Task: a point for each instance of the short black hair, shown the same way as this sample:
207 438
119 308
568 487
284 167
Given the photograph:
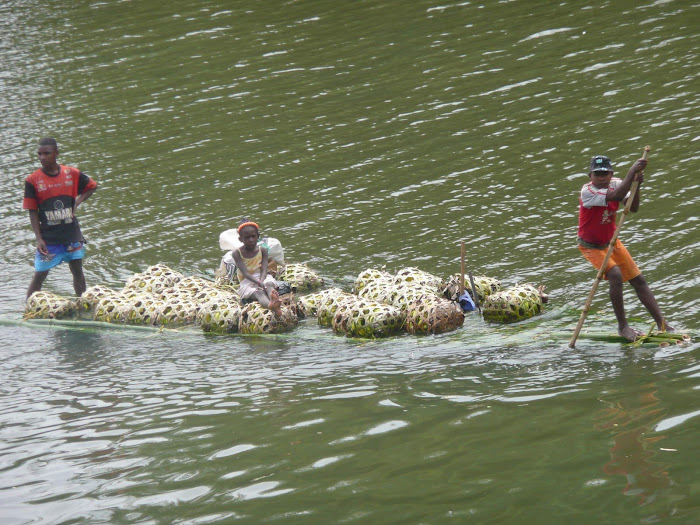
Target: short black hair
48 141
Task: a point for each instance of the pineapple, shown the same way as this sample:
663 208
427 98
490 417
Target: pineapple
430 314
367 318
92 296
308 305
219 314
414 276
371 275
300 277
256 319
513 304
46 305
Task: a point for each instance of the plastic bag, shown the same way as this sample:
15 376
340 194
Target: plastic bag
228 240
466 302
274 250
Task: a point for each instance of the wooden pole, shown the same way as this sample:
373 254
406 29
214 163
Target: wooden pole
475 296
461 279
611 247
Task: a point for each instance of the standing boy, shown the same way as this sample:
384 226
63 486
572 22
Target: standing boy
51 194
599 200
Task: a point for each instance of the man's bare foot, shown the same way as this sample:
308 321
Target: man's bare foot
275 303
629 333
665 327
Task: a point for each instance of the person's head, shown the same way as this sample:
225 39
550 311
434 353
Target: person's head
600 171
48 152
248 233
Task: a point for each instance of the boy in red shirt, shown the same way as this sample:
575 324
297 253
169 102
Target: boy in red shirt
51 194
599 200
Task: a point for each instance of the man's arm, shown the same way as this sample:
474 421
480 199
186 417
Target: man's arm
621 191
36 227
82 198
637 197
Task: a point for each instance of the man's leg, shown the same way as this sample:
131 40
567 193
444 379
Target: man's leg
36 283
646 297
614 276
76 268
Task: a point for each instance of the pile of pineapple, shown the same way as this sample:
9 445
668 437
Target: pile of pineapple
161 296
381 303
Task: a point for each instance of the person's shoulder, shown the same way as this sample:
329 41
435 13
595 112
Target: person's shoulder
33 176
70 170
589 187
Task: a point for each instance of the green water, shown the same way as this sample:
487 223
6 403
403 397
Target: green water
360 134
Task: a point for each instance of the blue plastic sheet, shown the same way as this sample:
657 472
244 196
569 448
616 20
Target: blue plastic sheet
466 302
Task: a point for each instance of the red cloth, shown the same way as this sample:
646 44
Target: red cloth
596 218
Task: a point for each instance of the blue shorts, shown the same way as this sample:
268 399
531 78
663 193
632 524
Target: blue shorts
57 254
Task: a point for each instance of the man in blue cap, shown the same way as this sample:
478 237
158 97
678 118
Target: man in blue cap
598 203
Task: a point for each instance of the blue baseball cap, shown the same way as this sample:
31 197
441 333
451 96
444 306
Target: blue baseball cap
601 163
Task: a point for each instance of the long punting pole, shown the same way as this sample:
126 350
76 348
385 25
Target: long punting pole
611 247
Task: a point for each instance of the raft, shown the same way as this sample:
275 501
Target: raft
380 304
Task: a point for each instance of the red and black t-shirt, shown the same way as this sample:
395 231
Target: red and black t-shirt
53 196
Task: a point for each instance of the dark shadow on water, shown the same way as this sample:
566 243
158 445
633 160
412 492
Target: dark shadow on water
82 350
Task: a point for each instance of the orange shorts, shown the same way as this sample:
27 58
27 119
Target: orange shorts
620 258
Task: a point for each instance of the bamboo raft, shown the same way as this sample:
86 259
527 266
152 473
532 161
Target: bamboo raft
380 304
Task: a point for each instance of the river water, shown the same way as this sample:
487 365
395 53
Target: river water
360 134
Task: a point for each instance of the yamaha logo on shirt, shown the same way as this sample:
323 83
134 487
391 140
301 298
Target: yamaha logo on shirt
59 214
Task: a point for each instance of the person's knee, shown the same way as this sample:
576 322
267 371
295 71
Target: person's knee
39 277
639 282
76 267
614 276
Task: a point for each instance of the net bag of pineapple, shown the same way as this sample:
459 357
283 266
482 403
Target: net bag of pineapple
371 275
419 278
219 314
177 310
407 292
300 277
194 284
485 286
429 314
513 304
46 305
113 309
326 309
153 280
93 295
256 319
164 272
288 300
143 310
308 305
381 291
367 319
